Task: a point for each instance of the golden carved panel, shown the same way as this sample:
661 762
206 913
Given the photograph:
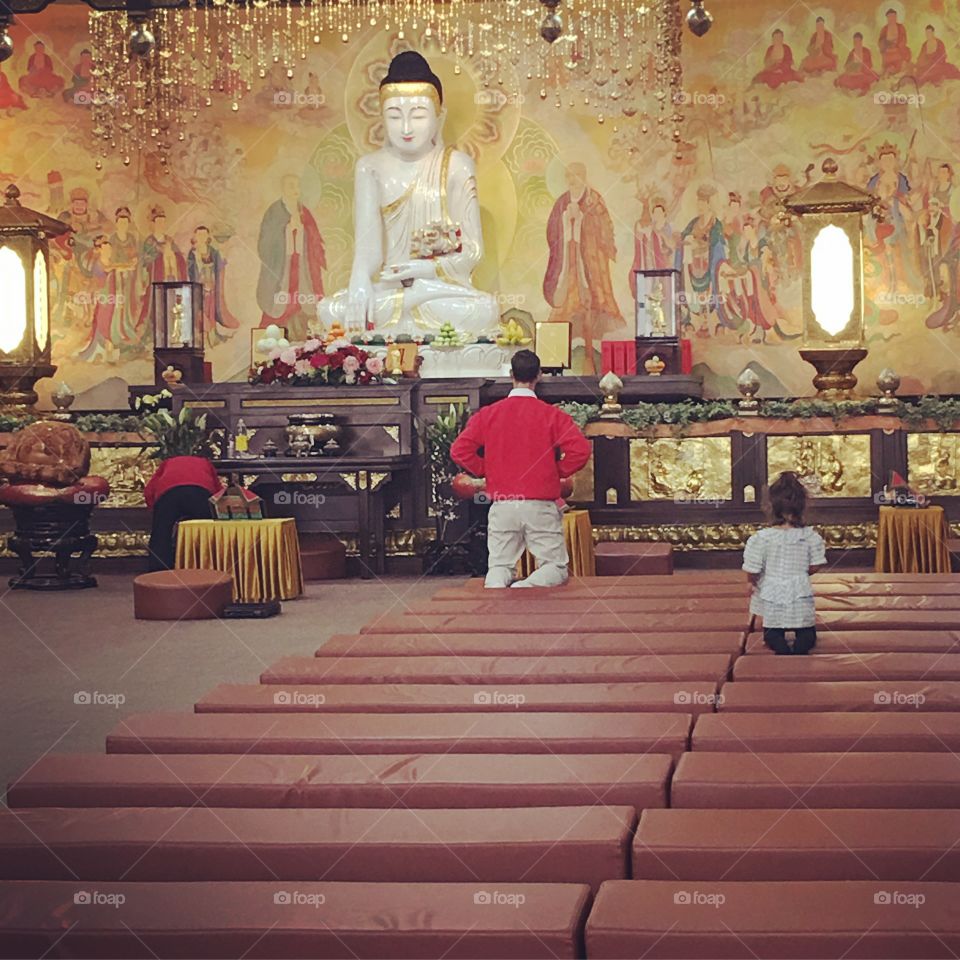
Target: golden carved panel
691 470
933 463
127 469
830 465
731 536
583 483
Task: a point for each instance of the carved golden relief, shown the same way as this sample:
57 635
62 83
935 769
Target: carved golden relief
831 465
689 470
127 469
933 460
731 536
583 483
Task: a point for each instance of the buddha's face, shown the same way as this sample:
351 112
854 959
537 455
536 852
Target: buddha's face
411 123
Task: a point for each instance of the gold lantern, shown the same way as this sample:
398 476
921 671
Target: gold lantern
830 217
24 300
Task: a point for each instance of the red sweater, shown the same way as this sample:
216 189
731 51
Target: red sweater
522 439
181 472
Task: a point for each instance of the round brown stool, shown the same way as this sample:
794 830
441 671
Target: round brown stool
322 557
181 595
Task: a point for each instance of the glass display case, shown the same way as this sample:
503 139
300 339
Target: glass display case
178 331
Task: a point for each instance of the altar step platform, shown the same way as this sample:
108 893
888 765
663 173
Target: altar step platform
268 920
409 734
419 781
844 696
598 644
796 845
773 920
689 585
493 603
896 583
535 644
584 845
516 700
772 781
594 618
931 732
931 667
662 667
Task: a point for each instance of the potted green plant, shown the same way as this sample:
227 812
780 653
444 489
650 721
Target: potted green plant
182 436
450 550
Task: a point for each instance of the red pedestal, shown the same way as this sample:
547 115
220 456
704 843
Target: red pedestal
620 356
686 356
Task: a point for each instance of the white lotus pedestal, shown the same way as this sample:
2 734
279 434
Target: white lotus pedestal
470 360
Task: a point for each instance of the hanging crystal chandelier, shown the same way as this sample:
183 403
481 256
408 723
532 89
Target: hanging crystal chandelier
156 72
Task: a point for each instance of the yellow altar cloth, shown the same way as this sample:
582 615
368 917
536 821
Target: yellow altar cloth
262 556
578 534
912 541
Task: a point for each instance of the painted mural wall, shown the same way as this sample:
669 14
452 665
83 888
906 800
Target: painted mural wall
767 97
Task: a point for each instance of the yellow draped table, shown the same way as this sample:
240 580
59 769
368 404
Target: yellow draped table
912 541
578 534
262 556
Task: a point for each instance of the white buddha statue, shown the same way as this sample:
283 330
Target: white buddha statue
413 197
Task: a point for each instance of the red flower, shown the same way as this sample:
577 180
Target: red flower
319 359
267 375
336 360
282 370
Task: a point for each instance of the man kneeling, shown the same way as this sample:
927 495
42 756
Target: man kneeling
523 447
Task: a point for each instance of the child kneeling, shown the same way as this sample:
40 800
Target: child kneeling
778 561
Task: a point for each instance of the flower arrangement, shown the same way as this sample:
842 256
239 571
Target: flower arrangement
182 436
315 362
149 402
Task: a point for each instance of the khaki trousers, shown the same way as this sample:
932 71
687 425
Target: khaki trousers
517 525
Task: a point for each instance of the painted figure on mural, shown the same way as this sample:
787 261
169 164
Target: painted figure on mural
206 265
733 225
858 74
947 288
292 262
939 182
40 80
934 232
105 335
654 241
784 237
932 65
892 43
125 261
820 57
312 101
86 223
699 255
78 92
759 257
10 100
778 66
892 238
582 248
160 259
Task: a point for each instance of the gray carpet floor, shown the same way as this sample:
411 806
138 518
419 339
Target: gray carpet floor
56 647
